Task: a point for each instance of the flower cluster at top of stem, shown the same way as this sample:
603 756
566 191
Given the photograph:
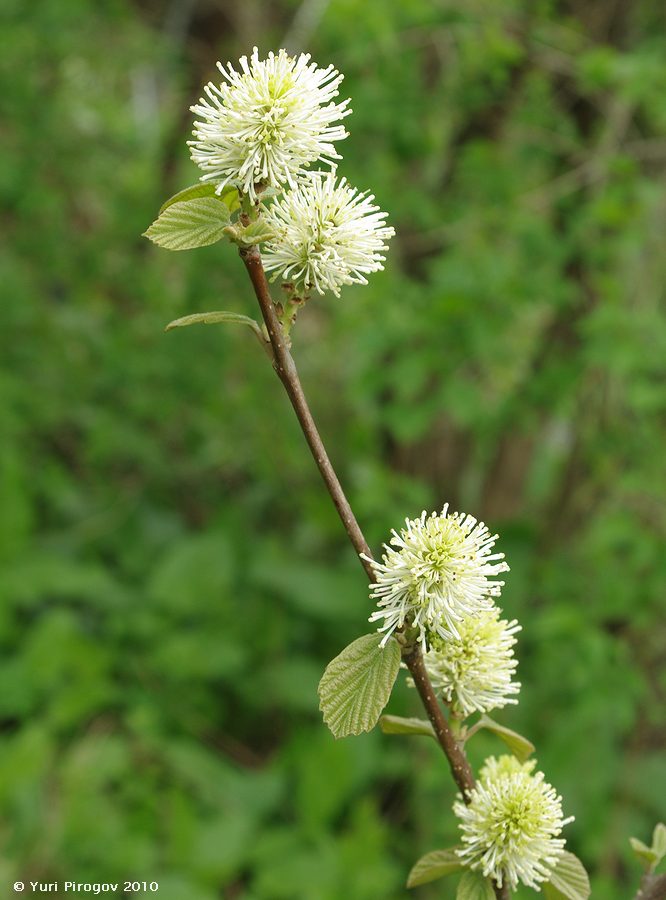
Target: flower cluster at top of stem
268 122
437 571
262 128
511 825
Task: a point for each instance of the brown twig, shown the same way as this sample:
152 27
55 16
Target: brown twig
460 767
285 368
502 893
653 887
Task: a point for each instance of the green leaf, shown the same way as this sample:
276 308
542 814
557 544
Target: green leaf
645 854
650 857
399 725
213 318
433 865
473 886
269 192
255 233
221 316
193 223
659 842
229 196
569 879
517 744
357 684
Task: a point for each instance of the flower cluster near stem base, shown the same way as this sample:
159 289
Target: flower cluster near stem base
510 827
328 235
268 122
437 571
473 670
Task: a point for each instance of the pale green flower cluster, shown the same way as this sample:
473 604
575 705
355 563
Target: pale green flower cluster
473 670
439 570
328 235
263 127
437 581
511 825
268 122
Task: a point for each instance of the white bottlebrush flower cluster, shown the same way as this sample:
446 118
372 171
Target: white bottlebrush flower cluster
511 825
327 235
436 572
268 122
473 671
262 128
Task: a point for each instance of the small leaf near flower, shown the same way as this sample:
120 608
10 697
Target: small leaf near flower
650 857
213 318
189 224
228 196
517 744
645 854
569 879
434 865
256 232
659 842
473 886
223 317
357 684
399 725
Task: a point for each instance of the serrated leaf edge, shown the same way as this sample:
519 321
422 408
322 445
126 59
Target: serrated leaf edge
166 231
578 886
341 720
421 867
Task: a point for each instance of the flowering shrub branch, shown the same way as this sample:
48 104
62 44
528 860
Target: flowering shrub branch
436 585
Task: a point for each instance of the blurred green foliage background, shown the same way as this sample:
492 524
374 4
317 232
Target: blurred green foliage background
174 578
